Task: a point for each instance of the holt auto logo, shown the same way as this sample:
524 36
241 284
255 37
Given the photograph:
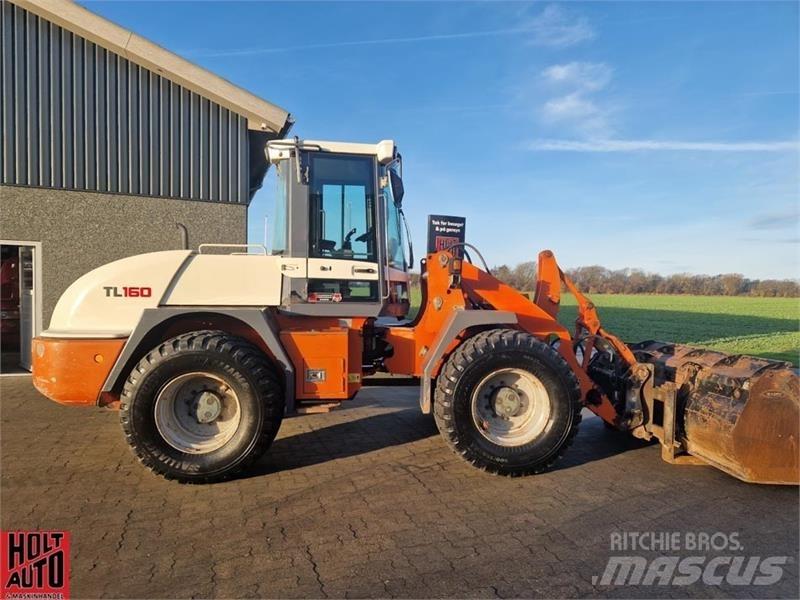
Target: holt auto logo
34 565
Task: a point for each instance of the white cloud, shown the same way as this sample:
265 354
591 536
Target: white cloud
365 42
581 75
554 27
616 145
559 28
577 110
572 107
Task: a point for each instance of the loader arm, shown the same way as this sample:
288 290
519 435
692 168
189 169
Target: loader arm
483 289
548 297
738 414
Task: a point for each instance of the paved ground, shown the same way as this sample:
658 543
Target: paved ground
365 502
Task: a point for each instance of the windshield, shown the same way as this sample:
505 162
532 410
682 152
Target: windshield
394 228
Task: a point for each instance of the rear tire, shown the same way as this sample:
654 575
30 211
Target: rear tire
201 407
507 403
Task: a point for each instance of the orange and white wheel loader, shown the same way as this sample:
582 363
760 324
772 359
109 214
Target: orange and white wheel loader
204 352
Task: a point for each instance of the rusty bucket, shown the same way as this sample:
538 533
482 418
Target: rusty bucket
738 413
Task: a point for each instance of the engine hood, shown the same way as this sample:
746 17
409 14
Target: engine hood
108 301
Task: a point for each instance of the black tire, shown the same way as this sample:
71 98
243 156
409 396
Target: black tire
241 366
478 358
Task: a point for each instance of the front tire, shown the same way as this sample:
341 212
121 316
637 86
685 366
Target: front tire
507 403
201 407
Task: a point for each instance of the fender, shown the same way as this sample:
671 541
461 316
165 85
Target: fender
457 322
257 318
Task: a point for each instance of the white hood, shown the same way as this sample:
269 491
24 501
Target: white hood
108 301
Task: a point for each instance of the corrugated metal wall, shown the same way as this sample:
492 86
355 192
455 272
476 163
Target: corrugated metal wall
76 116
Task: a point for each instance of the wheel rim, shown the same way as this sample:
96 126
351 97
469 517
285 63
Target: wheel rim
197 413
510 407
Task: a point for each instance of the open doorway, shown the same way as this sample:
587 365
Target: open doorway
20 304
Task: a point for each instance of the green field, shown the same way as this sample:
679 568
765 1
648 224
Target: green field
766 327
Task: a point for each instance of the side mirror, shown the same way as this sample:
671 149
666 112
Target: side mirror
397 188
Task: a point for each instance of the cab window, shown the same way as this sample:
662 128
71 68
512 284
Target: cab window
342 203
280 218
394 229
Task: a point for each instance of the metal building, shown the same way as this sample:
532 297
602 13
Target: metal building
111 146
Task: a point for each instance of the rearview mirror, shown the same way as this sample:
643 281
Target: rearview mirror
397 188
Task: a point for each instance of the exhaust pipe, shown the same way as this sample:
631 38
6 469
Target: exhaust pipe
184 235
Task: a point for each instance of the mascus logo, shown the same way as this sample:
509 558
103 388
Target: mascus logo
127 291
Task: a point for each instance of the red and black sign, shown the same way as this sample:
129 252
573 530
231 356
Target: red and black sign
444 232
34 565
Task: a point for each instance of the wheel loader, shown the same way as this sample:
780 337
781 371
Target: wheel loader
205 352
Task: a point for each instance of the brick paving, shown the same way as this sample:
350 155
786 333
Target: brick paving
366 502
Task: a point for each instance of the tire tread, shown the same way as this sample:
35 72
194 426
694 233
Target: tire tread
242 352
498 340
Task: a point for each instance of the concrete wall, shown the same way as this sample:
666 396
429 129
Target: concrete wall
83 230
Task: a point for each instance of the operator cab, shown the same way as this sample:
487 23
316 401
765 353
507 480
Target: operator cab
339 214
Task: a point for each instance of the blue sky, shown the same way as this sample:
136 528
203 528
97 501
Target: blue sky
658 135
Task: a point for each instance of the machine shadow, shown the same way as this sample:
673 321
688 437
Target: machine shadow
344 440
375 432
596 442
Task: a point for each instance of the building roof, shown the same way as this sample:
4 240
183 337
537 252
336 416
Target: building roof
261 115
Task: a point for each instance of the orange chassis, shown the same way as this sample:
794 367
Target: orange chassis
450 284
74 371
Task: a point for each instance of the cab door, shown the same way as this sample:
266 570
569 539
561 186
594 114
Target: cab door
343 253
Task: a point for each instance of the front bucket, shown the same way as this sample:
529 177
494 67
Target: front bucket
738 413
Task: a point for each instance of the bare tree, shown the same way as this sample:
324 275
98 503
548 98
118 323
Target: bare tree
595 279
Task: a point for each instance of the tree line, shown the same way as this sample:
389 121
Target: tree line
599 280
